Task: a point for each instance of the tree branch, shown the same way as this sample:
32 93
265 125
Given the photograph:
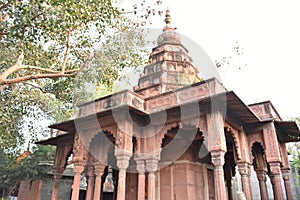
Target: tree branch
39 69
38 87
63 67
32 77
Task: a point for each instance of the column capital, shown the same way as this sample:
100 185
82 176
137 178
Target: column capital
99 169
140 166
89 171
151 165
217 157
58 171
122 154
152 161
275 168
285 174
261 175
78 169
244 168
123 158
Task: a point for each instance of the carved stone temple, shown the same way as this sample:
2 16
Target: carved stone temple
174 137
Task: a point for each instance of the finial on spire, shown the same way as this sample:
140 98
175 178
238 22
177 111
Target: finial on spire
168 20
168 17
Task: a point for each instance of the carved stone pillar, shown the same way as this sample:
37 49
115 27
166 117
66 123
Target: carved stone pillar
90 182
122 163
287 183
141 179
218 162
261 176
57 172
78 169
98 171
151 167
245 171
276 180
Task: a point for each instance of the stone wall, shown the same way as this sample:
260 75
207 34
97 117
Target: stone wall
64 190
182 180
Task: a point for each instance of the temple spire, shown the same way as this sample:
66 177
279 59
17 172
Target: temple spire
168 20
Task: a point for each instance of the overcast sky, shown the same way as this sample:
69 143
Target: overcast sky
270 35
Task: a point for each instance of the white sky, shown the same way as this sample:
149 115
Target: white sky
268 31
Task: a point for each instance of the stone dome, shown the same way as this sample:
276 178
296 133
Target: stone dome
169 36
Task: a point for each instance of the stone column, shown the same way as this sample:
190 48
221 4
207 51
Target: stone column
122 163
218 162
261 176
78 169
57 172
90 182
141 179
98 171
276 180
151 167
245 171
287 184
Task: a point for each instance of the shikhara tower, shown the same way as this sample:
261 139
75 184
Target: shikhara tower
167 141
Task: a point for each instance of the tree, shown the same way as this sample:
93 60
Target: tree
44 45
30 167
45 48
46 39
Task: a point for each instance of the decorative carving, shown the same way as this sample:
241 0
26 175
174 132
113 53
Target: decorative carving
244 169
151 165
161 134
122 158
274 168
140 165
217 158
120 138
137 102
285 174
258 110
99 169
255 137
261 175
78 150
162 102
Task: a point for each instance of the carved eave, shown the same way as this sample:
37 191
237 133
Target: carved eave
206 94
70 125
64 139
240 109
265 111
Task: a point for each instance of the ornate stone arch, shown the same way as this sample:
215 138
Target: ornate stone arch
255 137
236 142
100 145
258 156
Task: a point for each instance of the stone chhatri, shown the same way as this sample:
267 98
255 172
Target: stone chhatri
137 137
